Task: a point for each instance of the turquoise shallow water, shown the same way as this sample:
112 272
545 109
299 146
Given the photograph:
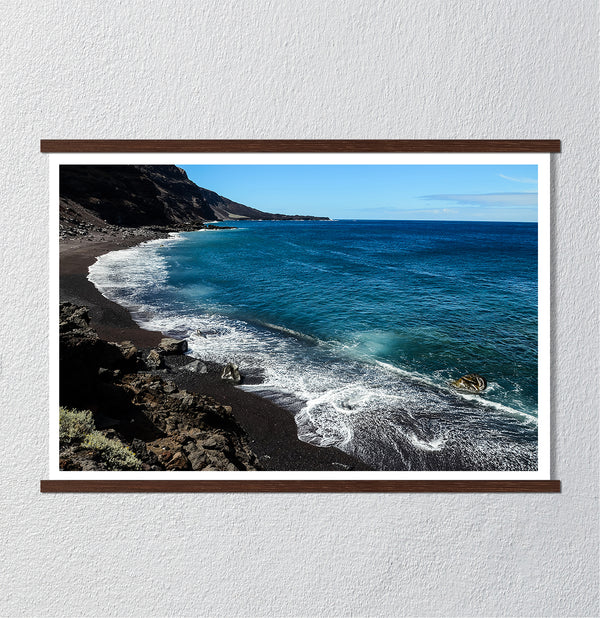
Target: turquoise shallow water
358 327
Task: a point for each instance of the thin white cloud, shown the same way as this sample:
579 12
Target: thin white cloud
488 199
529 181
433 211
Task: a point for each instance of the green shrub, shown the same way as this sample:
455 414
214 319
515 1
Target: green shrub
113 453
74 425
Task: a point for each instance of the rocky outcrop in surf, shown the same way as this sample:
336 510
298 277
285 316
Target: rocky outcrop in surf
231 373
472 382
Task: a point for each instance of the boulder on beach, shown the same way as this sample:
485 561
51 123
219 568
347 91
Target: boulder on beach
73 317
196 367
154 360
128 349
231 374
472 382
173 346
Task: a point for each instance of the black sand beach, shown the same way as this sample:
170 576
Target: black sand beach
271 430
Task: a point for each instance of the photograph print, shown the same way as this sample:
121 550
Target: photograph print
373 316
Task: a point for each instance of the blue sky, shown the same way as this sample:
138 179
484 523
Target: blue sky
429 192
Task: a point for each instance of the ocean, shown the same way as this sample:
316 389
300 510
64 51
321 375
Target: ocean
358 328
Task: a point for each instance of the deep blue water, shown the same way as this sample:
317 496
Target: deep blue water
358 328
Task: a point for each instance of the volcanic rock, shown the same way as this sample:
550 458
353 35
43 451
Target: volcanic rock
147 457
118 197
154 360
128 349
167 428
73 317
196 367
472 382
173 346
82 355
231 374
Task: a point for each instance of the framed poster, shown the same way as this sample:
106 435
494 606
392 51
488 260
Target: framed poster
300 316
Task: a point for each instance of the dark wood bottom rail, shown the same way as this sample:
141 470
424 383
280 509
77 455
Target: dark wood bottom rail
182 486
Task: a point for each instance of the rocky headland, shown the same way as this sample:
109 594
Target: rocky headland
123 200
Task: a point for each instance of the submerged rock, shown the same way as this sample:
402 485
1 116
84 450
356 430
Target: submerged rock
231 374
472 382
173 346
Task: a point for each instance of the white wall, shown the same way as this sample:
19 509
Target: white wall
298 69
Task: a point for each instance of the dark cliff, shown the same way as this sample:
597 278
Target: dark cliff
135 195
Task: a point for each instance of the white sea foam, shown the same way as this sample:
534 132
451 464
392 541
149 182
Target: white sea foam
475 398
128 269
388 416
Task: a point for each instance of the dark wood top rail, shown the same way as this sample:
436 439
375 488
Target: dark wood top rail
300 145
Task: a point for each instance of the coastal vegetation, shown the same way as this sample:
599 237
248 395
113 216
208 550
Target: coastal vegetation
74 425
80 440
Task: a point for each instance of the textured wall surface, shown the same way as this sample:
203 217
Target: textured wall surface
289 69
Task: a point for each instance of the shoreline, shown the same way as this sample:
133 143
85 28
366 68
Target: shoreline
271 429
110 320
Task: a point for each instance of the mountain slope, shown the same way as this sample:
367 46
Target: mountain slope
135 195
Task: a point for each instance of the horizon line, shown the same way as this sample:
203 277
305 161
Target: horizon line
362 219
